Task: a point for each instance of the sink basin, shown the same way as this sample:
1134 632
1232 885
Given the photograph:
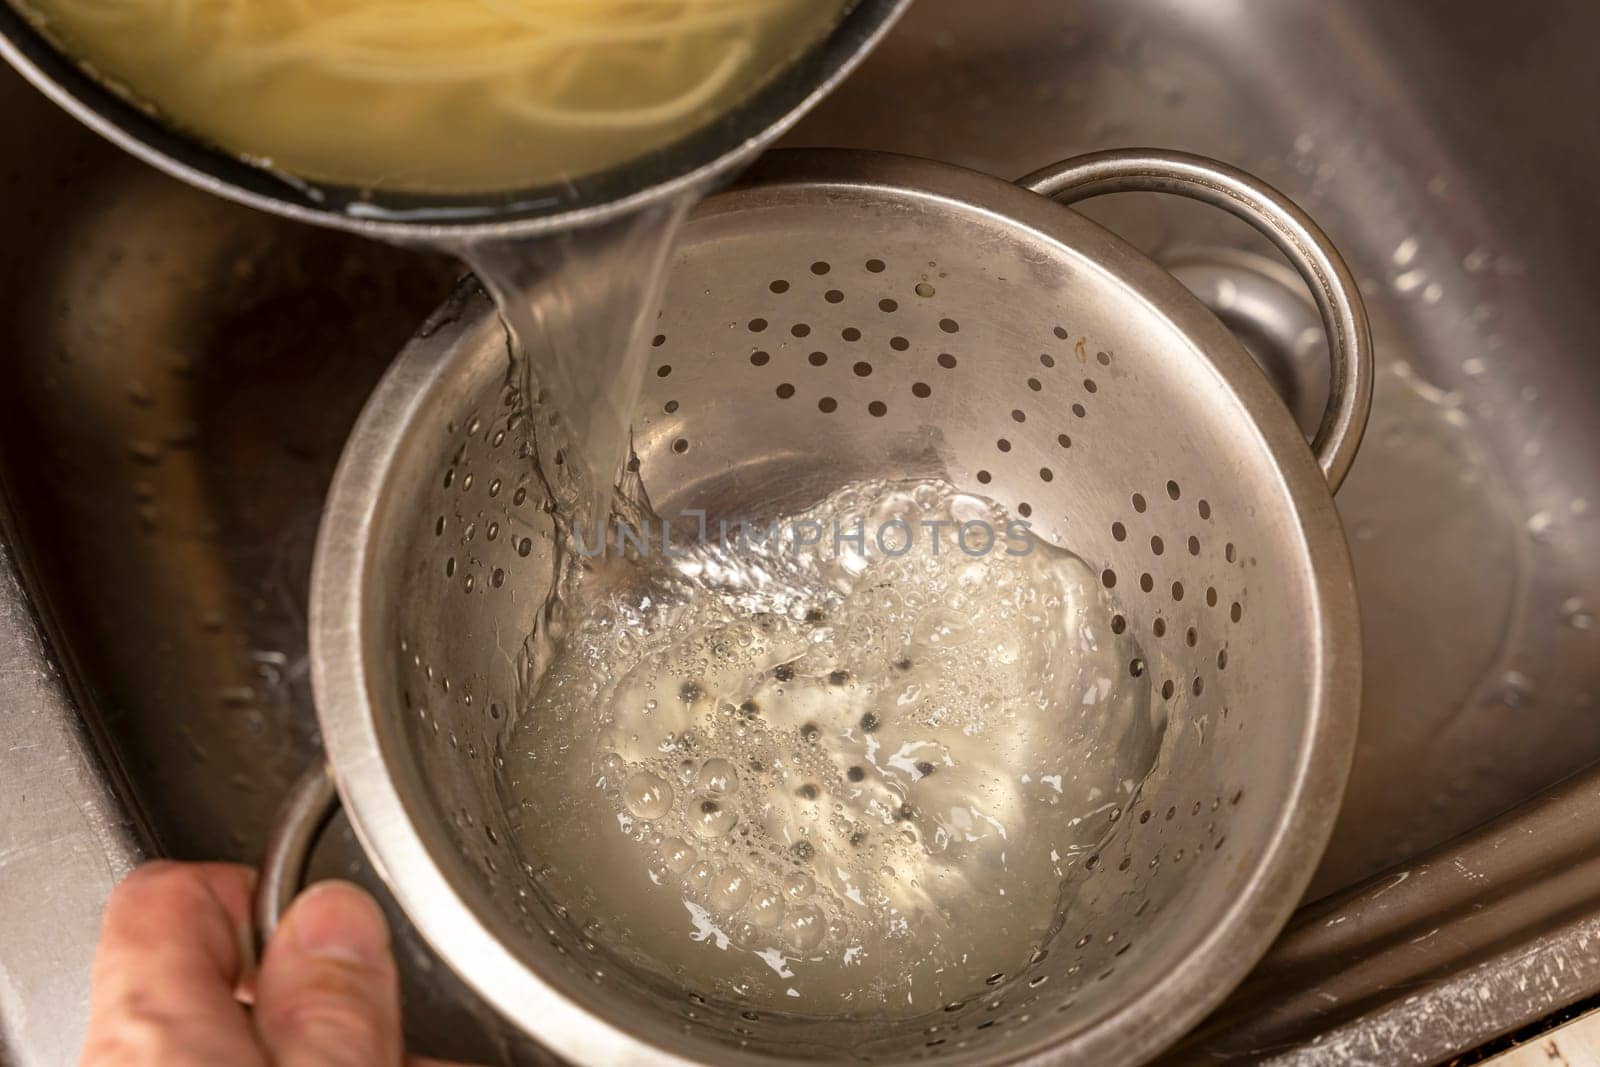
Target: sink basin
181 373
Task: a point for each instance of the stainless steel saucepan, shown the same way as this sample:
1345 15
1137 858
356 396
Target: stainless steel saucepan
695 161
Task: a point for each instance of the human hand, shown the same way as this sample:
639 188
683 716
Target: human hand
174 980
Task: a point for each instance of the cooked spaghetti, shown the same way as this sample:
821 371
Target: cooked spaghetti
436 95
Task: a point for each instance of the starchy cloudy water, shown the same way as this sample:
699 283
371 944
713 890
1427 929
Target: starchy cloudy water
834 783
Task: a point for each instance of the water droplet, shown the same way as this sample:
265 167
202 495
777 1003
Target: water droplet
1541 526
1409 280
1517 690
1577 614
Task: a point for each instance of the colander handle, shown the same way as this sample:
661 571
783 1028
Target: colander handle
305 811
1344 317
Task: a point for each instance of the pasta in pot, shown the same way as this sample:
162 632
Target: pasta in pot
444 96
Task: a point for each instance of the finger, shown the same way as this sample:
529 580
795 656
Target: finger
327 994
172 947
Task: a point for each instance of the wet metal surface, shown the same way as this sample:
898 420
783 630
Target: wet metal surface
1474 509
63 845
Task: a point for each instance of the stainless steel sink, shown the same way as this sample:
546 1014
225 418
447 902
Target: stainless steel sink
180 373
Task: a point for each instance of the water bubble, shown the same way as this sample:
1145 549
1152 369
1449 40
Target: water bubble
713 820
766 908
730 889
678 855
798 886
718 777
804 928
941 628
647 796
701 876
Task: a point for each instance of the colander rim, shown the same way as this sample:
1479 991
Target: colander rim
1167 1007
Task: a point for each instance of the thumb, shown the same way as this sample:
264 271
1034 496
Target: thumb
327 994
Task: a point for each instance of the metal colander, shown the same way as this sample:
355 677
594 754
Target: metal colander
842 317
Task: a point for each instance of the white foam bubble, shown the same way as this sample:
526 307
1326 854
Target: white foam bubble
866 769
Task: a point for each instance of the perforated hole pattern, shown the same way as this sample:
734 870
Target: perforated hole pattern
776 378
